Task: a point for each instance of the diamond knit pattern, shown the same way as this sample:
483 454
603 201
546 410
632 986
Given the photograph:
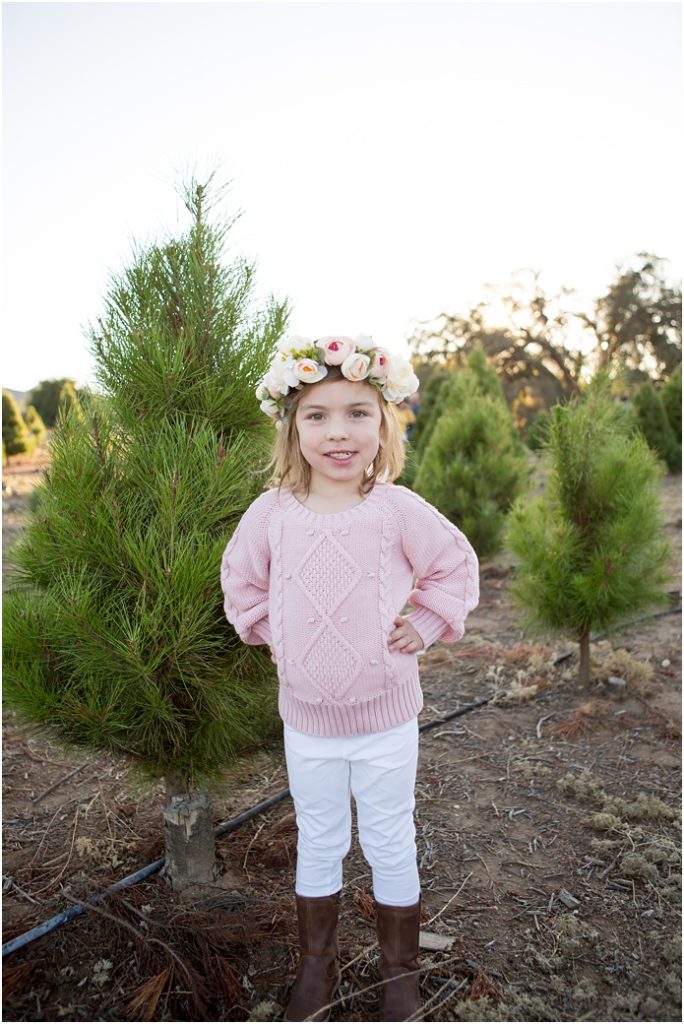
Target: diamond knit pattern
331 663
327 574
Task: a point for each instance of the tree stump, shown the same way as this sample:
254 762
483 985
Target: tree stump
190 844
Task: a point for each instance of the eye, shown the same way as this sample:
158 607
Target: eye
360 412
312 415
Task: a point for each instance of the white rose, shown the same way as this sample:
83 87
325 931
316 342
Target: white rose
275 380
269 407
401 381
288 373
355 366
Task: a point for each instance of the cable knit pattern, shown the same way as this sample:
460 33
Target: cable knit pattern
324 589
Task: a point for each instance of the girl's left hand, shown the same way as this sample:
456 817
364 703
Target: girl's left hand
405 639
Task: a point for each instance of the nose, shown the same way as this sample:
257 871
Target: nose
336 430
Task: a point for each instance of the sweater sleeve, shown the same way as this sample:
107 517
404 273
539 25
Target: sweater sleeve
245 569
446 570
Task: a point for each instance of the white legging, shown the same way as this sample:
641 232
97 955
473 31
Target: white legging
379 770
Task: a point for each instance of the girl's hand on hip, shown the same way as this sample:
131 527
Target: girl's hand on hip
405 639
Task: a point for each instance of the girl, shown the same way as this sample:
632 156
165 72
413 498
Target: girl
319 568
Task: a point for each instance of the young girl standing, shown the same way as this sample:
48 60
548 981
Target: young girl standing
320 567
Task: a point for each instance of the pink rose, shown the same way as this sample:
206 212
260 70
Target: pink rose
335 350
380 364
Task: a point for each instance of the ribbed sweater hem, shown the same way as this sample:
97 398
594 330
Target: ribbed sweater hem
391 708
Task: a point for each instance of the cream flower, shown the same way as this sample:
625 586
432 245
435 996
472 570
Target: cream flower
355 366
309 371
401 381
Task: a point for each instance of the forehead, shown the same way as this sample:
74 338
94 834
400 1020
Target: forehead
338 394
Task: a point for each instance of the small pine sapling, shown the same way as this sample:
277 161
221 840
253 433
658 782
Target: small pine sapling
591 549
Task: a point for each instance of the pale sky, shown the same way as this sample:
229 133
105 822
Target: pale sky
390 158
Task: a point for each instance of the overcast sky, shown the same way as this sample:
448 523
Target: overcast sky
390 158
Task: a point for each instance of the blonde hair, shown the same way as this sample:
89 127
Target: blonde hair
289 468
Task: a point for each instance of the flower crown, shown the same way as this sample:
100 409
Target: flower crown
300 361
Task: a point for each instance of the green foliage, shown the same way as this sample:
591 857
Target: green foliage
34 424
16 437
539 430
52 395
591 549
672 400
114 632
473 466
654 424
428 412
437 397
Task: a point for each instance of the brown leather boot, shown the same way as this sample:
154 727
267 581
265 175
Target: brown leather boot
398 929
319 974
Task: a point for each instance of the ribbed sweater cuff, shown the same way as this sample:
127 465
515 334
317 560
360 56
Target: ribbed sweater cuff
428 624
262 629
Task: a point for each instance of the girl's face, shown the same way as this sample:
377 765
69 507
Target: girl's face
340 416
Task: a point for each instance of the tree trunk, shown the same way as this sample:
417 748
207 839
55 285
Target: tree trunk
584 659
189 838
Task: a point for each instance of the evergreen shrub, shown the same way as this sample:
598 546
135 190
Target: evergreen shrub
591 550
473 466
653 422
114 632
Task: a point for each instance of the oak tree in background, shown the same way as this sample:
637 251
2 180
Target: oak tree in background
115 635
592 548
531 334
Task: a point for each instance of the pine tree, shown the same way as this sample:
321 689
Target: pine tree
473 465
15 434
592 548
537 434
115 636
654 424
35 425
672 400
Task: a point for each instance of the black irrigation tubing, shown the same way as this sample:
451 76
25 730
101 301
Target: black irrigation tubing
138 876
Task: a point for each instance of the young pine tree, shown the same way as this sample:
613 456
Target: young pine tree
16 437
653 422
35 425
672 400
50 396
473 466
592 548
115 636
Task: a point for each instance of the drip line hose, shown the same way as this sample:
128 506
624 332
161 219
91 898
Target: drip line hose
139 876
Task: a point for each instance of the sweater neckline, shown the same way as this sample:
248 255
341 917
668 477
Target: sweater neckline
330 517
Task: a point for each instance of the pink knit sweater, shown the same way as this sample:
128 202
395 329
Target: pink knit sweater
324 589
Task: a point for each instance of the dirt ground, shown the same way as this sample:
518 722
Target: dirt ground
548 828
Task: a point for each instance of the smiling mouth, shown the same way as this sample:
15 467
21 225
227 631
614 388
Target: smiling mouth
340 456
